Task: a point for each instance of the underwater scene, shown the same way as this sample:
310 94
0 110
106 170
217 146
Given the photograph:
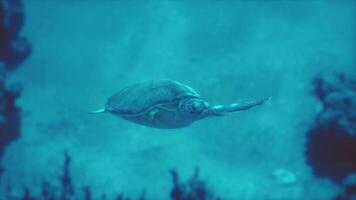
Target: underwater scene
177 100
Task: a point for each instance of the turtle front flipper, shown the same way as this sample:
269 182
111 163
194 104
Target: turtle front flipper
101 110
220 110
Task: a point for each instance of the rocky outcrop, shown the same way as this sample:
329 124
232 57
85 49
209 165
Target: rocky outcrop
14 49
331 144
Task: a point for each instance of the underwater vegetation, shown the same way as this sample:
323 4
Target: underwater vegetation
192 189
14 49
331 145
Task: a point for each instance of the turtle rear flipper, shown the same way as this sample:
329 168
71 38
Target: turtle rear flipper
101 110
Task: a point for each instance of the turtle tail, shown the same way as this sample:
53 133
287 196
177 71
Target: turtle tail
101 110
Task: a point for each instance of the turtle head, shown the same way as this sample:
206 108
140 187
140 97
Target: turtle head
194 107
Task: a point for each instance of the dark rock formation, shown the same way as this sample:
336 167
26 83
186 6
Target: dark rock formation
9 115
13 51
331 145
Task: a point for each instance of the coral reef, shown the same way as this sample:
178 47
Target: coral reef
9 115
331 145
14 49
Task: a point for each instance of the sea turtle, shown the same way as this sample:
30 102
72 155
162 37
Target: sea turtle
166 104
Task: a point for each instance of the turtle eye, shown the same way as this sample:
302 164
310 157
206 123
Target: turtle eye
186 106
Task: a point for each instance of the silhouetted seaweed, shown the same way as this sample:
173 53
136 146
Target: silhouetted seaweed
47 191
193 189
331 145
67 188
66 180
87 193
27 195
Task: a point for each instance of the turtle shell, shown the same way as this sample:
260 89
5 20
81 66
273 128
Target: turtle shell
135 99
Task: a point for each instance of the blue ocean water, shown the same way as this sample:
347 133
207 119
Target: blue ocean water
228 51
